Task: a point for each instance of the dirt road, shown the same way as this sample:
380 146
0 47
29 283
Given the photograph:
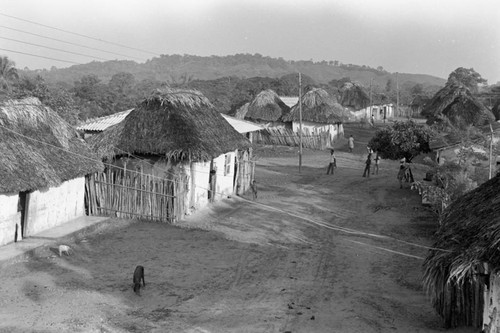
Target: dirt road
313 253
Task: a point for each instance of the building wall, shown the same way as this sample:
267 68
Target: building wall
225 175
199 185
54 206
376 110
491 313
9 217
336 130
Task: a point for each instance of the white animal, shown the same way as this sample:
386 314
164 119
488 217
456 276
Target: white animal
64 249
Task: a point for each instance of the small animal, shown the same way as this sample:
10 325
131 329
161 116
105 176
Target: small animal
64 249
138 276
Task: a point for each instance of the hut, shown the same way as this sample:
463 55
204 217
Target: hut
462 271
353 96
417 104
97 125
321 114
43 165
267 108
456 104
242 111
177 139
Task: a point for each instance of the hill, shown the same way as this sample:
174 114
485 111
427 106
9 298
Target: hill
172 68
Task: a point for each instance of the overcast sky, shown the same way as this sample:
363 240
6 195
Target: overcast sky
425 36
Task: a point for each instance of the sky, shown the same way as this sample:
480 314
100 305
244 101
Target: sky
421 37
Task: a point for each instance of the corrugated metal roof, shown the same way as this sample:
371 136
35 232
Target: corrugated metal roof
242 126
100 124
290 100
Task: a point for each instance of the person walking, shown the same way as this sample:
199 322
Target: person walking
402 173
333 163
376 160
351 143
368 163
372 120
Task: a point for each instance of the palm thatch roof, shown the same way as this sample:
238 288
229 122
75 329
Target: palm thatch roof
266 106
175 123
38 149
468 236
457 104
242 111
353 95
318 106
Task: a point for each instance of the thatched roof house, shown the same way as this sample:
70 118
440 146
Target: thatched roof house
176 124
38 149
319 107
354 96
468 237
457 104
266 107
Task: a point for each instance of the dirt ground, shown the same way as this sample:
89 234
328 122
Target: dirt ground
313 253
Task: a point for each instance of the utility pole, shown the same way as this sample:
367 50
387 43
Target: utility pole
300 122
397 94
371 104
491 151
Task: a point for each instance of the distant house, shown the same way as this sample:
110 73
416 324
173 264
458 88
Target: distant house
290 101
178 141
462 270
43 165
456 104
267 109
380 112
321 114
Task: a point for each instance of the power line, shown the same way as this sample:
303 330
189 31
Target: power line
81 35
39 56
54 48
70 43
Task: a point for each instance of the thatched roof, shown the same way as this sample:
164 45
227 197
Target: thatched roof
178 124
354 95
468 236
457 103
266 106
242 111
318 106
38 149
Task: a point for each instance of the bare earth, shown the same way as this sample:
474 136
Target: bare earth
313 253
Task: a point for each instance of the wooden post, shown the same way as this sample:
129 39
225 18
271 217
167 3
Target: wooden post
371 101
300 122
397 94
491 151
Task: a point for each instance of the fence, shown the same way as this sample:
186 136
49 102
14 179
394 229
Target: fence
287 137
131 194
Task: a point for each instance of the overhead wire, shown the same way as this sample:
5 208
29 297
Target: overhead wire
81 35
70 43
39 56
54 48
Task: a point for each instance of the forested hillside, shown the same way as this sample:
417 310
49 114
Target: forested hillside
175 68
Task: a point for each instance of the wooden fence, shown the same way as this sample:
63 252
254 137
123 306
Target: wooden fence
130 194
287 137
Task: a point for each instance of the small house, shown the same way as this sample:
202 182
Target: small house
178 142
266 109
43 164
321 114
462 270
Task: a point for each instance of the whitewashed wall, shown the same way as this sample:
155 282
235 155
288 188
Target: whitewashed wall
225 181
491 313
54 206
198 187
336 131
9 217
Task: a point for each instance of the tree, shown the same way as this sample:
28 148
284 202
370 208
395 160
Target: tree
467 77
8 74
403 139
122 83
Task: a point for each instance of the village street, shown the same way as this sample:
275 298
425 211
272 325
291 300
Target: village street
313 253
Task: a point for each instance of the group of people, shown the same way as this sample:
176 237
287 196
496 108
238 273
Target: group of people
368 163
373 158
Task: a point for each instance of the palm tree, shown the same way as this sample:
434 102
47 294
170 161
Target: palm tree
8 73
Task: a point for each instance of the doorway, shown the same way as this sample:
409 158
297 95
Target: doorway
22 207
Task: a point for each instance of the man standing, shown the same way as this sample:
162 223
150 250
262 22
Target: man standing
376 159
333 162
351 143
368 163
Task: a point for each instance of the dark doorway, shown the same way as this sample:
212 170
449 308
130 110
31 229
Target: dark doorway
22 207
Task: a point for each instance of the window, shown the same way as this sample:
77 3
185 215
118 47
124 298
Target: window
227 165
